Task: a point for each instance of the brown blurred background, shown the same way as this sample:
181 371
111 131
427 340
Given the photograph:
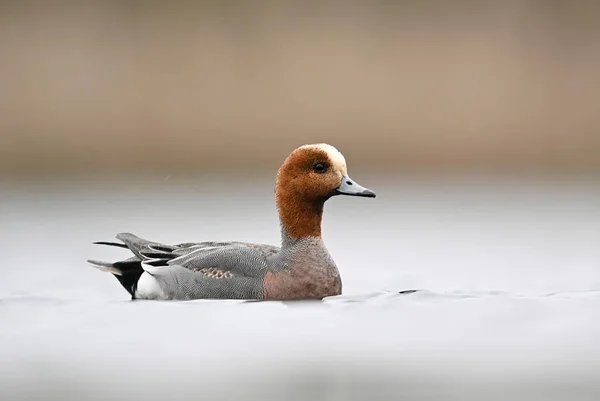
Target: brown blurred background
108 86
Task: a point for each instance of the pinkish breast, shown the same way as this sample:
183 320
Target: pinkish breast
300 283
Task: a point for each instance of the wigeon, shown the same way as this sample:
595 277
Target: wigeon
300 269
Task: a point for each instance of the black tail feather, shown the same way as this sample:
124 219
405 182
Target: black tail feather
128 272
118 244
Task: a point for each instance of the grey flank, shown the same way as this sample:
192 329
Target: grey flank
178 268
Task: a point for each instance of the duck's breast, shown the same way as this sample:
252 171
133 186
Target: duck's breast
306 272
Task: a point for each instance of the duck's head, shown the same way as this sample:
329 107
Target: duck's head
308 177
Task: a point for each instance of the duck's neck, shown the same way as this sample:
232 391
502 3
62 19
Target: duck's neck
299 219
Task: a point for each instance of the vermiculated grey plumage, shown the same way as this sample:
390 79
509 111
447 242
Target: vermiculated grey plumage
182 269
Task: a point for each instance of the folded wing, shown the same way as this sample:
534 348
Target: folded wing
213 259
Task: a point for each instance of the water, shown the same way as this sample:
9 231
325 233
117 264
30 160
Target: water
508 273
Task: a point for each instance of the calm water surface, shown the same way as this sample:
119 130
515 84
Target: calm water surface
508 307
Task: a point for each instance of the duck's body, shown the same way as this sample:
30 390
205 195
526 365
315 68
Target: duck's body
300 269
226 270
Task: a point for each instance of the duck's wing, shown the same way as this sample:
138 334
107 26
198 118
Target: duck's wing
217 270
213 259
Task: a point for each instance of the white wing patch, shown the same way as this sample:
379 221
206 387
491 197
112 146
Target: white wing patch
200 248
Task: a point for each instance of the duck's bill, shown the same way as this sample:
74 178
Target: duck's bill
351 188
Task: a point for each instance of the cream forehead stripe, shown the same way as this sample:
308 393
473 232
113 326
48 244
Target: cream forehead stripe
337 159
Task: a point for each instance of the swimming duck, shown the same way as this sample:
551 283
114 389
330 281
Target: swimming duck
300 269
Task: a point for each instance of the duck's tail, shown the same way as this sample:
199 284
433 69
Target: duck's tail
128 271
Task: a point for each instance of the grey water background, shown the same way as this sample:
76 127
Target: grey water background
508 273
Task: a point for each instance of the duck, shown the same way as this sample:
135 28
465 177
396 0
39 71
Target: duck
300 268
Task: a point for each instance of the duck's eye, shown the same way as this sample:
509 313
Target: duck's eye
320 167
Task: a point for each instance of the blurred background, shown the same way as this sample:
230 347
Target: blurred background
476 122
110 86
